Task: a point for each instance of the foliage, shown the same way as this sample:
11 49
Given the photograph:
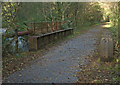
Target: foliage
17 16
113 14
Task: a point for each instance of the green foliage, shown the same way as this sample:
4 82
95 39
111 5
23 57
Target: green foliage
78 13
8 11
98 60
16 15
114 17
94 13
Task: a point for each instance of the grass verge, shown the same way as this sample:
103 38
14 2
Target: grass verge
98 71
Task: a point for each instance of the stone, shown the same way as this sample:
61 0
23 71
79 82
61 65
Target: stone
106 48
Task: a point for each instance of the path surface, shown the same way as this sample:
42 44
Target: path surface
60 64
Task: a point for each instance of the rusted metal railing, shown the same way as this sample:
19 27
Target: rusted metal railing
45 27
42 27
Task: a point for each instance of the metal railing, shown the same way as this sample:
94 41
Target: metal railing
45 26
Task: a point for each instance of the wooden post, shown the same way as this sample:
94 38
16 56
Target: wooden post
119 24
33 43
60 24
53 25
56 25
34 27
47 26
41 27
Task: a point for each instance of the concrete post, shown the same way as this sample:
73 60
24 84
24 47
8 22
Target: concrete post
106 48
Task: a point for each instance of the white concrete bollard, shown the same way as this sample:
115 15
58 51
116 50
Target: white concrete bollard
106 48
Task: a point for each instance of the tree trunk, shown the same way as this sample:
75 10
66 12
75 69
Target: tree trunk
16 42
119 23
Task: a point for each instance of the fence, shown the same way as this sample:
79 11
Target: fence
45 26
38 42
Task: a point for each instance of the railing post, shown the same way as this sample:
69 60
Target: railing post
41 27
56 25
53 26
47 26
60 24
34 27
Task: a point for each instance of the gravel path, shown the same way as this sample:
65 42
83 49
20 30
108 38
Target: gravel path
61 63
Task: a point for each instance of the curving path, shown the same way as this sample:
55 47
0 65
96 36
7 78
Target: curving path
61 63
